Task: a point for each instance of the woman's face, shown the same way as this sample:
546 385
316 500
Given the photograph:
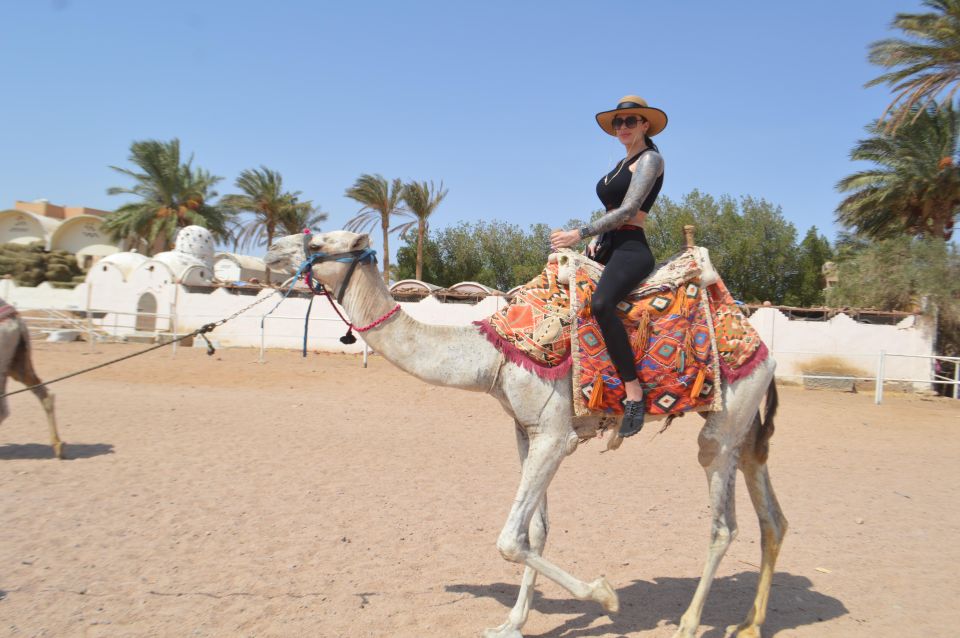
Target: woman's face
630 136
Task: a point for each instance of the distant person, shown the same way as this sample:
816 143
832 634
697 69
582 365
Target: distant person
627 192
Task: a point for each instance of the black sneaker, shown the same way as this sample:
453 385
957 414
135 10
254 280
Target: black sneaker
632 418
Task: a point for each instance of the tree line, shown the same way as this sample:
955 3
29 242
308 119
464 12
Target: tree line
739 233
172 193
900 212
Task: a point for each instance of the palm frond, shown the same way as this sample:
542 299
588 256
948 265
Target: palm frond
914 186
922 66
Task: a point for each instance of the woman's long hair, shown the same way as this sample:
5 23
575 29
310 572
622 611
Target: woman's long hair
649 141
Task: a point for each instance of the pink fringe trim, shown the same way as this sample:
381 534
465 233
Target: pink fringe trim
521 358
730 374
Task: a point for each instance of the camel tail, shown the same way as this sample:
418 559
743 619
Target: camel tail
761 447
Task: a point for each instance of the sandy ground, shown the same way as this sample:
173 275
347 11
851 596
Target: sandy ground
214 496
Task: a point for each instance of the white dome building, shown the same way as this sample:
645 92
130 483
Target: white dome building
151 282
190 262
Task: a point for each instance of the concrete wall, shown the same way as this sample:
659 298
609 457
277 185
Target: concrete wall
792 341
857 345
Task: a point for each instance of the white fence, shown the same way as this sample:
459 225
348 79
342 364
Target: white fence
881 377
889 353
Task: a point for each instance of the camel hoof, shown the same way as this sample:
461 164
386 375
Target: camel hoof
506 630
604 594
743 631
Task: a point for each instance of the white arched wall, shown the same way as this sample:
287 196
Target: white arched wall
106 276
21 227
83 236
227 269
196 276
151 274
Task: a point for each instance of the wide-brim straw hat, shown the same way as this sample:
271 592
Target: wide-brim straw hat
633 105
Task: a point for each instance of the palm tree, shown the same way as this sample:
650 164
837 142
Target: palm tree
272 207
915 188
172 195
380 199
924 65
421 200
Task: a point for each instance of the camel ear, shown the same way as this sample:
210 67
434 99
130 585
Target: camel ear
361 242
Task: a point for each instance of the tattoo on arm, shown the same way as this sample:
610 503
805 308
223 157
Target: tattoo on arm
649 168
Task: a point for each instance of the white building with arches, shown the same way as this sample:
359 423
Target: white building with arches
75 229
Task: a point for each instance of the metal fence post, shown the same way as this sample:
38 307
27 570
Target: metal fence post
878 394
956 379
173 320
90 317
263 328
365 356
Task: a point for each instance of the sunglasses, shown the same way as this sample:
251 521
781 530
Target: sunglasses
630 122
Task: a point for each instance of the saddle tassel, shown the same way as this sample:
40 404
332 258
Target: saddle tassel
698 383
596 394
642 336
679 305
690 346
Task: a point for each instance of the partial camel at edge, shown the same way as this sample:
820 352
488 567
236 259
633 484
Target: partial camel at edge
547 432
16 362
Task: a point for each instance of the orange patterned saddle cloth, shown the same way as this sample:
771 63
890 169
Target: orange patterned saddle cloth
686 337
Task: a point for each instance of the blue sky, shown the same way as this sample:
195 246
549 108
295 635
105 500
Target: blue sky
494 98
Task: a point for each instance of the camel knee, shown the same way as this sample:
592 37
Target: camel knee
709 451
722 536
775 530
512 547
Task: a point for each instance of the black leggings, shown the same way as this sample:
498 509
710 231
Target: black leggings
630 263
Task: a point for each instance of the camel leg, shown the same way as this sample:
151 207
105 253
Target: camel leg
23 371
719 460
46 400
538 540
773 527
545 455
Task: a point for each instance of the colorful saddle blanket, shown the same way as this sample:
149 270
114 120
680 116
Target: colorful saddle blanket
683 336
534 330
674 350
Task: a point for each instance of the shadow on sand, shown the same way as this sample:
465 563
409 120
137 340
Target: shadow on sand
644 605
38 451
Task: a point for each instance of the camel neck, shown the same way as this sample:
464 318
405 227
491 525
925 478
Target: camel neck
453 356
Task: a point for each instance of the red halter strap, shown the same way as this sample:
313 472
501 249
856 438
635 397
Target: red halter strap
319 289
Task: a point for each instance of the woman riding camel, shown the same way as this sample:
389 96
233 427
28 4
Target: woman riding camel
627 192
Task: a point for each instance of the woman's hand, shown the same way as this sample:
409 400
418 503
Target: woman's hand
564 239
592 248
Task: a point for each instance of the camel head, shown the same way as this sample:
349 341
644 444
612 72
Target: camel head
287 253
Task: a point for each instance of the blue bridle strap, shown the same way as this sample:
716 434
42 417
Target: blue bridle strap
353 257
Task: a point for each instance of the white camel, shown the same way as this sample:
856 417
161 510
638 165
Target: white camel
15 361
460 357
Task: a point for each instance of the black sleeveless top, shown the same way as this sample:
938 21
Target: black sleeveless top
612 187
